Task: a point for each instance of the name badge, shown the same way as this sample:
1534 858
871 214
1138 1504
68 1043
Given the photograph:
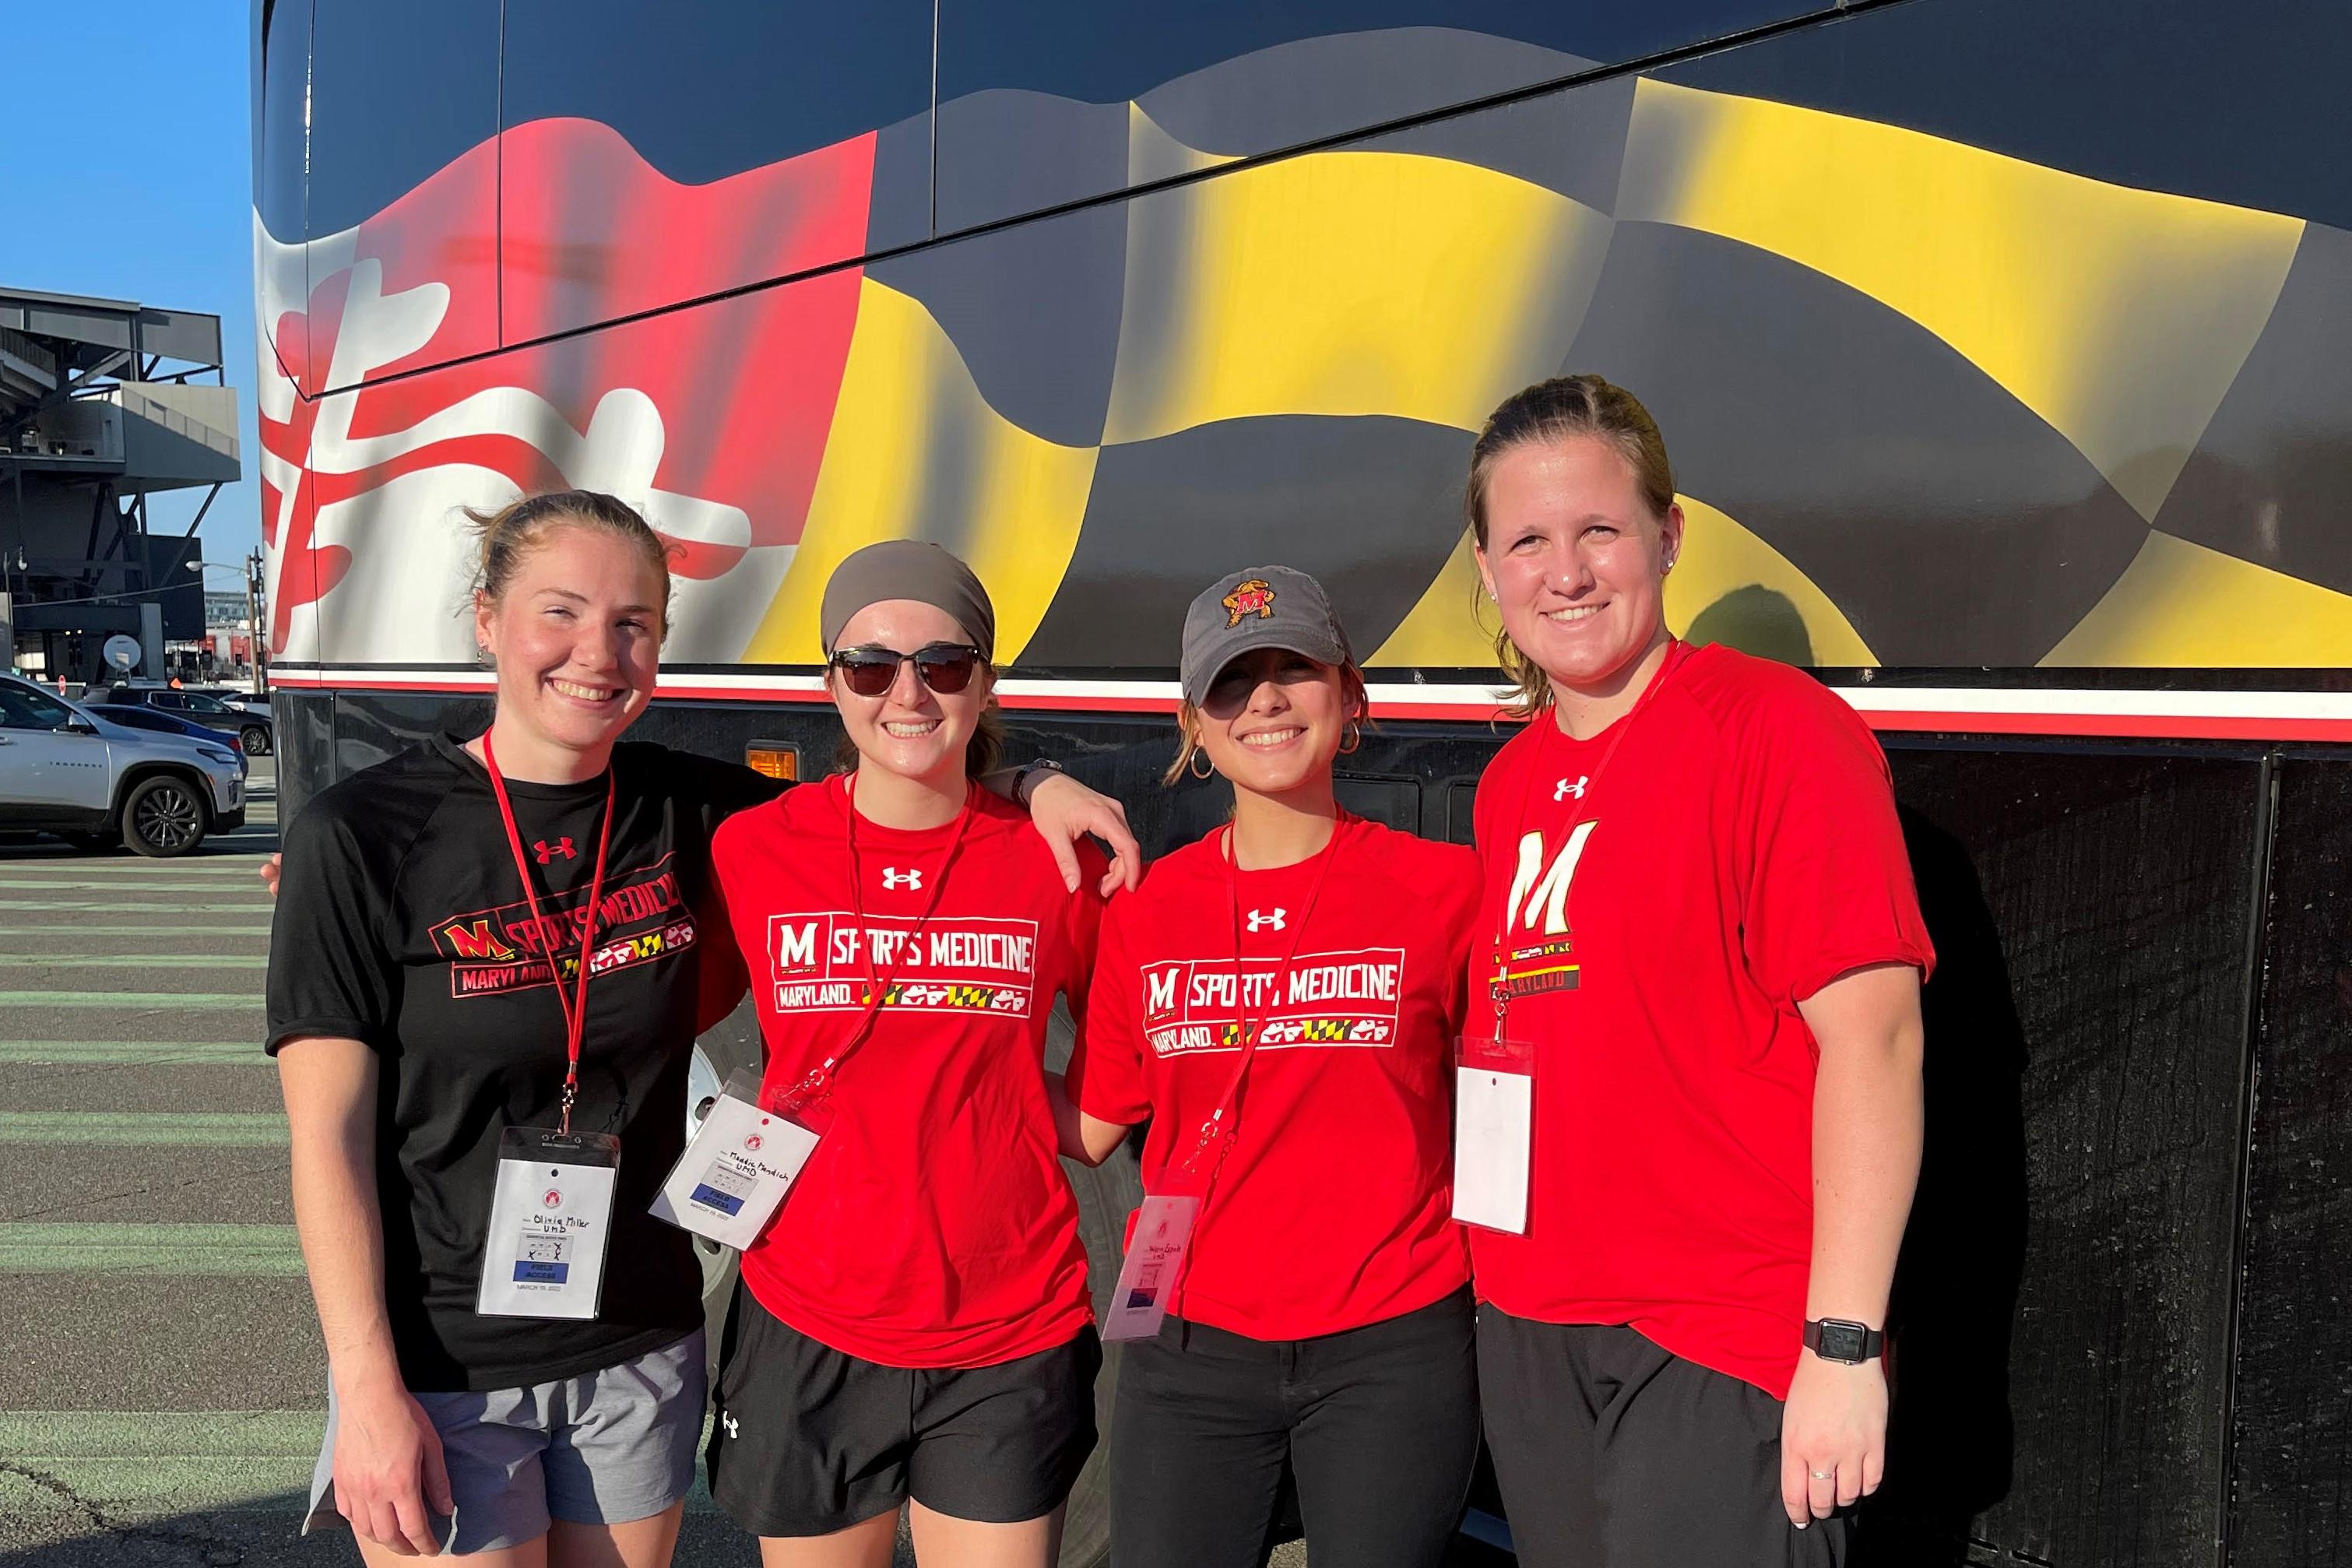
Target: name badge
551 1215
1154 1261
733 1176
1494 1128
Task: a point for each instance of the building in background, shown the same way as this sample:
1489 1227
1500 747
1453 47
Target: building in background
104 403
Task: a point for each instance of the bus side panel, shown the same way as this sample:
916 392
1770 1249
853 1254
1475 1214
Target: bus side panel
2065 1302
2063 1305
2293 1439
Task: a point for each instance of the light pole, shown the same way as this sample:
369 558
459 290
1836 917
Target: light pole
250 569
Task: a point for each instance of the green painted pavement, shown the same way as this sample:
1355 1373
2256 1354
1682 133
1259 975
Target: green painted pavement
215 1129
148 959
156 999
162 1433
181 1053
141 1464
91 1248
215 866
147 1463
115 885
131 907
77 931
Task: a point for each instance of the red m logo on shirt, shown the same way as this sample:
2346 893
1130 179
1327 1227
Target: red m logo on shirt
475 941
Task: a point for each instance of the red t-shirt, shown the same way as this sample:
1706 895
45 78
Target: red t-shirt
1329 1210
933 1227
1739 851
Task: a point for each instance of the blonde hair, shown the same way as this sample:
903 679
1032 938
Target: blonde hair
1188 721
1562 409
505 537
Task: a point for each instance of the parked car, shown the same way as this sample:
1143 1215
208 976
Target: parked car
157 721
252 730
96 782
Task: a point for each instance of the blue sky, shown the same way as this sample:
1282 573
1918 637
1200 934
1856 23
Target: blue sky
129 175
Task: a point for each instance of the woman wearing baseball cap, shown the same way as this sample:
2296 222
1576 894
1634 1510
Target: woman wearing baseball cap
913 1325
1696 1104
1279 1000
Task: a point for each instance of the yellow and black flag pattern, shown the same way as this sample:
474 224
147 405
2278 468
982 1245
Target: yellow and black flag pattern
1931 404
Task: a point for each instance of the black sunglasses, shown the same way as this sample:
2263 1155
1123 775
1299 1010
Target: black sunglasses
945 666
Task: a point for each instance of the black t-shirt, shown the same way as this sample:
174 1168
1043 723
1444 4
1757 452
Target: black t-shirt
401 924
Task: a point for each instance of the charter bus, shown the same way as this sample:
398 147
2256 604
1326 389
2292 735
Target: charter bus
2003 347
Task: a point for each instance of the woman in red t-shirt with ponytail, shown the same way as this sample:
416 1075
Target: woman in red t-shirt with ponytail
1279 1000
1693 1148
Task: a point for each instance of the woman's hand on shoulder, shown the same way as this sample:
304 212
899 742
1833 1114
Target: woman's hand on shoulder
1065 811
390 1475
269 871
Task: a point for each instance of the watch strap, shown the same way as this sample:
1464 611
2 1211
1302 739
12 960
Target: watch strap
1873 1342
1027 770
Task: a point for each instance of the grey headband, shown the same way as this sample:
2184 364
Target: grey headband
908 569
1262 606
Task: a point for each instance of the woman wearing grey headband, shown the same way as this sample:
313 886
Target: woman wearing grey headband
1279 1000
913 1326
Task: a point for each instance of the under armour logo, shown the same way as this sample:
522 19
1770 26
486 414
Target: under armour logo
894 879
1565 788
727 1420
560 847
1274 920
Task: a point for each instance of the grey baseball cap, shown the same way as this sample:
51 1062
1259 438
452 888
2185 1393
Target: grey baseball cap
1259 606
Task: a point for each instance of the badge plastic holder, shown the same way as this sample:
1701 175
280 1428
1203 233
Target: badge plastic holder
551 1217
1157 1235
739 1167
1493 1132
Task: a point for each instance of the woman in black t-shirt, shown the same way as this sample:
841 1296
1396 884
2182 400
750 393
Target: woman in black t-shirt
425 978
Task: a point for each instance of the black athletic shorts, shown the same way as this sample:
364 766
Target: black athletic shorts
806 1439
1610 1450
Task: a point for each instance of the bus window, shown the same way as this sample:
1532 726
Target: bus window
281 80
277 140
1056 99
404 175
655 154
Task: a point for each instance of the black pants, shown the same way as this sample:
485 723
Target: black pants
1380 1425
1613 1454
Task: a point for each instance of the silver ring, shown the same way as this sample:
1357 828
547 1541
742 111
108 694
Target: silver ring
1821 1475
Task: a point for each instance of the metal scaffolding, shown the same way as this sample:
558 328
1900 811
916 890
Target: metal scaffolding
104 403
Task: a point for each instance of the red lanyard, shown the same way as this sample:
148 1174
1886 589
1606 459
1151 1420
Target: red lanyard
818 1082
1215 1124
1677 651
575 1008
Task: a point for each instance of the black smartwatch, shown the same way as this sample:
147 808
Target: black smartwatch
1839 1340
1021 778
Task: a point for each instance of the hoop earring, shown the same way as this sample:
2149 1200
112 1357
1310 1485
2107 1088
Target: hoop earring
1353 737
1199 765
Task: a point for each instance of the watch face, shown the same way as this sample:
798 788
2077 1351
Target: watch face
1842 1342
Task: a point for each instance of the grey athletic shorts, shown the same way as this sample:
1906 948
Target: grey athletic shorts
604 1448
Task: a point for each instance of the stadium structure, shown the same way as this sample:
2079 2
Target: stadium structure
103 404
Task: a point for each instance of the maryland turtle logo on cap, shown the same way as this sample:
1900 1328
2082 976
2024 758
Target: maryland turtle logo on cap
1251 596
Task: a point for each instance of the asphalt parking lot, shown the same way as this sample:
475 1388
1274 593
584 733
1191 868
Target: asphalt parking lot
160 1400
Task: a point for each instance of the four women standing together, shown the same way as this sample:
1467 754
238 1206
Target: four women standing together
1656 1041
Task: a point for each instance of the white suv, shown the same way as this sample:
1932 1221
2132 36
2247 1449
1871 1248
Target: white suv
95 783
